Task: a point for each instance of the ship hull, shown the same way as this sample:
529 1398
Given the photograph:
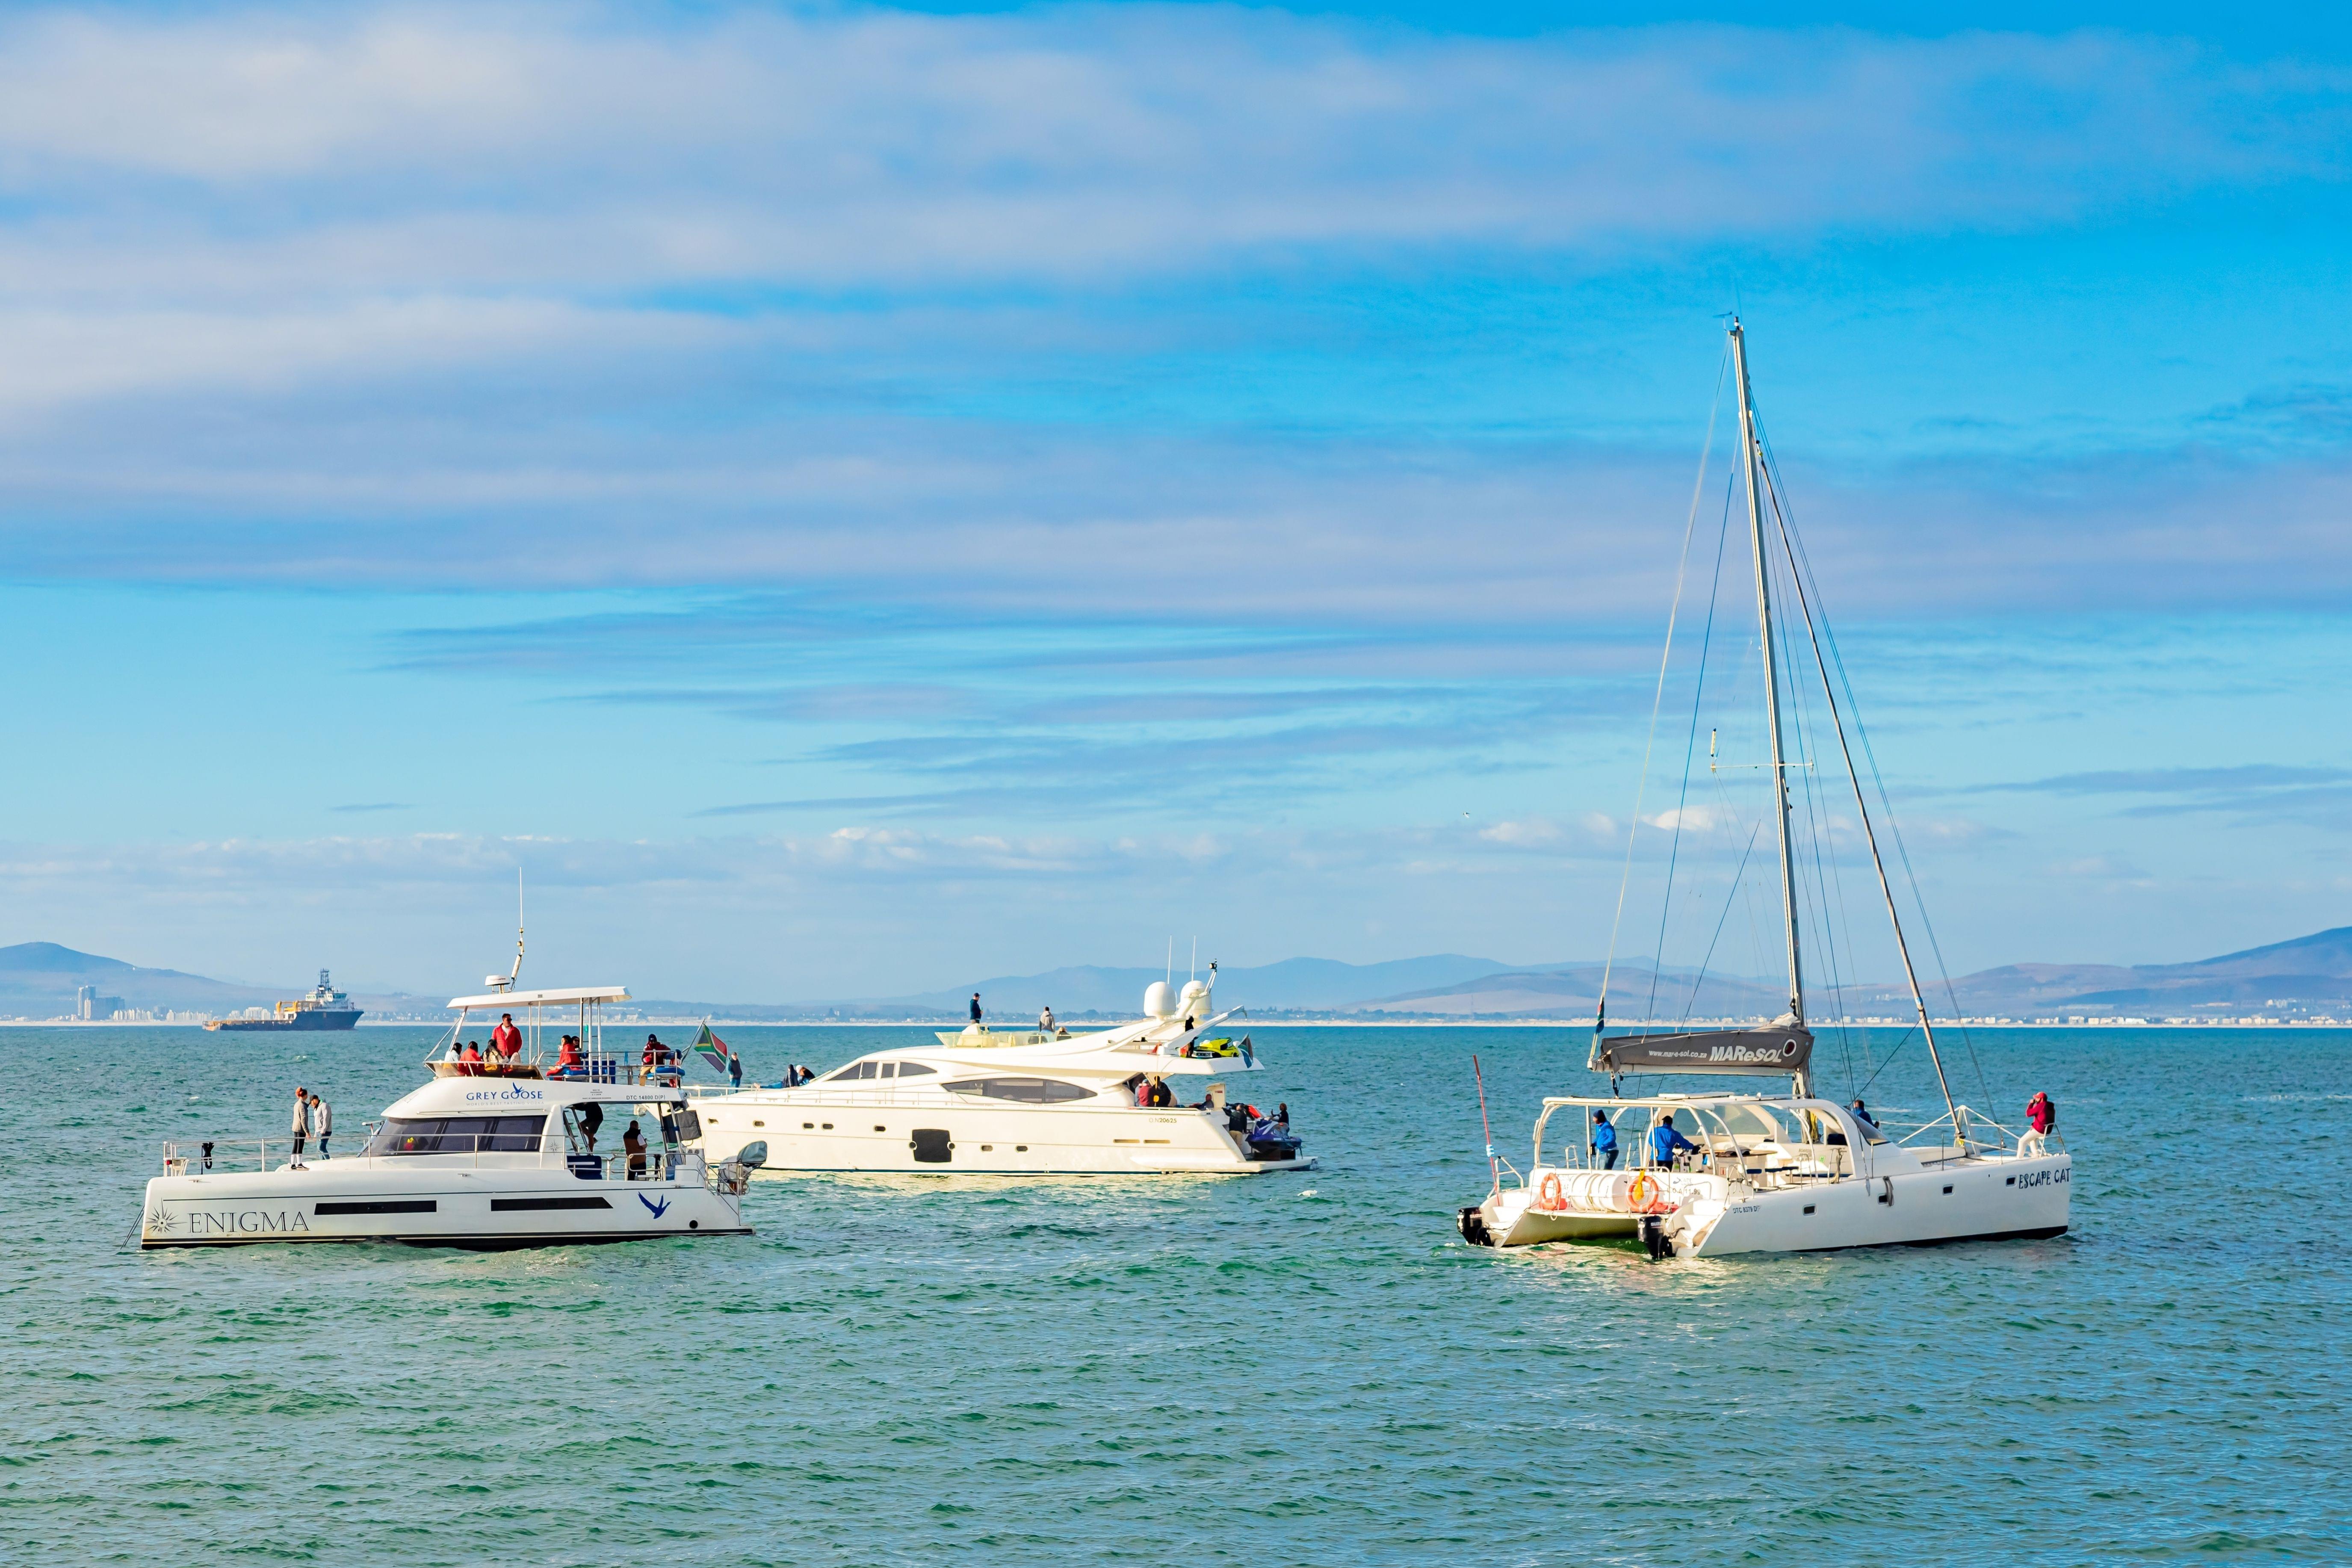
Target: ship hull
318 1019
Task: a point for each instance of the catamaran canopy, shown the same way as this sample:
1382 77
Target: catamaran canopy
569 997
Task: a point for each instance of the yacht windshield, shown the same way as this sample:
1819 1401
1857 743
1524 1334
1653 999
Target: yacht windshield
457 1135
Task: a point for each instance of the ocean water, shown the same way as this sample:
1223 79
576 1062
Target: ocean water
1293 1369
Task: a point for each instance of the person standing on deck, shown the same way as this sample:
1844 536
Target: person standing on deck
322 1122
506 1040
1666 1141
302 1122
975 1006
1604 1141
1046 1019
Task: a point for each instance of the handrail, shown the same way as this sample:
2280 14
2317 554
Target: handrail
230 1156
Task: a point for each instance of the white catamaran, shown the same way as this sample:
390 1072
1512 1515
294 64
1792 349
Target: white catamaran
1729 1173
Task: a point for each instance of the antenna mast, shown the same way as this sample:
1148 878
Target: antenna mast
1751 458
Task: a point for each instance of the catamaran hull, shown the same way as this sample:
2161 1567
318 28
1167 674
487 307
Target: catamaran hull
346 1200
1971 1200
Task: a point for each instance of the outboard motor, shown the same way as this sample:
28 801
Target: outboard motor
1652 1232
1472 1223
735 1175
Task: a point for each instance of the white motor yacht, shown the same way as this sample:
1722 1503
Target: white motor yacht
1023 1102
1780 1173
530 1150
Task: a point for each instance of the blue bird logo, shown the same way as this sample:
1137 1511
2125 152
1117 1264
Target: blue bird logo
655 1209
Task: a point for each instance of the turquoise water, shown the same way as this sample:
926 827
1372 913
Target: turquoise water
1307 1368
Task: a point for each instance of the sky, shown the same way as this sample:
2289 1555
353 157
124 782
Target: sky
848 500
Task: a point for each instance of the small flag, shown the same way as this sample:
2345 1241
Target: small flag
714 1049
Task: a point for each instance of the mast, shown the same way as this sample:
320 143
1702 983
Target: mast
1751 458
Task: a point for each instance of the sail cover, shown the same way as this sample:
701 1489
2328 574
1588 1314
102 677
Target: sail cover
1711 1050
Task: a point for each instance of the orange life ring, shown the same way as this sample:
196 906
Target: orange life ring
1548 1194
1639 1196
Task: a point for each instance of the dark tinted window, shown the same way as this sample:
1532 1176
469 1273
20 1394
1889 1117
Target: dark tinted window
914 1069
1032 1091
855 1070
459 1135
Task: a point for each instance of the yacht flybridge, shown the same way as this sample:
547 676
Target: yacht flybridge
1024 1103
523 1148
1711 1174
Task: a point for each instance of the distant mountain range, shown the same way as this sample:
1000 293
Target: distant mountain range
38 980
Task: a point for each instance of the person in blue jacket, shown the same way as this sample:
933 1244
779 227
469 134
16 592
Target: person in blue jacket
1665 1143
1604 1141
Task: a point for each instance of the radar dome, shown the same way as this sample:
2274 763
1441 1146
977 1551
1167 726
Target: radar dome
1158 1002
1196 996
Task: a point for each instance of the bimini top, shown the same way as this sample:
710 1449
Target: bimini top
565 997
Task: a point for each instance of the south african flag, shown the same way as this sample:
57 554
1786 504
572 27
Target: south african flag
714 1049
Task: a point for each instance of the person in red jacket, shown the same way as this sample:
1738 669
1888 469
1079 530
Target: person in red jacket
2042 1114
506 1040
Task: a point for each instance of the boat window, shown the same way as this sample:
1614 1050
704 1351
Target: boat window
886 1069
915 1069
1029 1090
855 1070
457 1135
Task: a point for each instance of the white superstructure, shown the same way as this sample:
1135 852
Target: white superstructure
508 1153
1023 1102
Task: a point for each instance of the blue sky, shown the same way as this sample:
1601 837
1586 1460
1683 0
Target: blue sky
853 498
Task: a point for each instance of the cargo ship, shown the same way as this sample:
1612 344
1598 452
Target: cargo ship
323 1008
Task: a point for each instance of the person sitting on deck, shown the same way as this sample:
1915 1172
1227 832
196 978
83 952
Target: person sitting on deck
1604 1141
457 1052
1045 1019
570 1063
473 1057
660 1062
506 1040
1666 1141
634 1143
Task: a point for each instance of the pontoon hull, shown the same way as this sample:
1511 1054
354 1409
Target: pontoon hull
378 1200
1981 1199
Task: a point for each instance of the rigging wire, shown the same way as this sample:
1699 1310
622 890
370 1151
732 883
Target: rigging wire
1698 488
1700 978
1804 603
1803 561
1690 747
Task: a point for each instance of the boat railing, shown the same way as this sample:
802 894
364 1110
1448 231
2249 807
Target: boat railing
221 1156
600 1069
1965 1133
836 1096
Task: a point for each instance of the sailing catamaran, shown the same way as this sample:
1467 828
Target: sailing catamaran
1789 1172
